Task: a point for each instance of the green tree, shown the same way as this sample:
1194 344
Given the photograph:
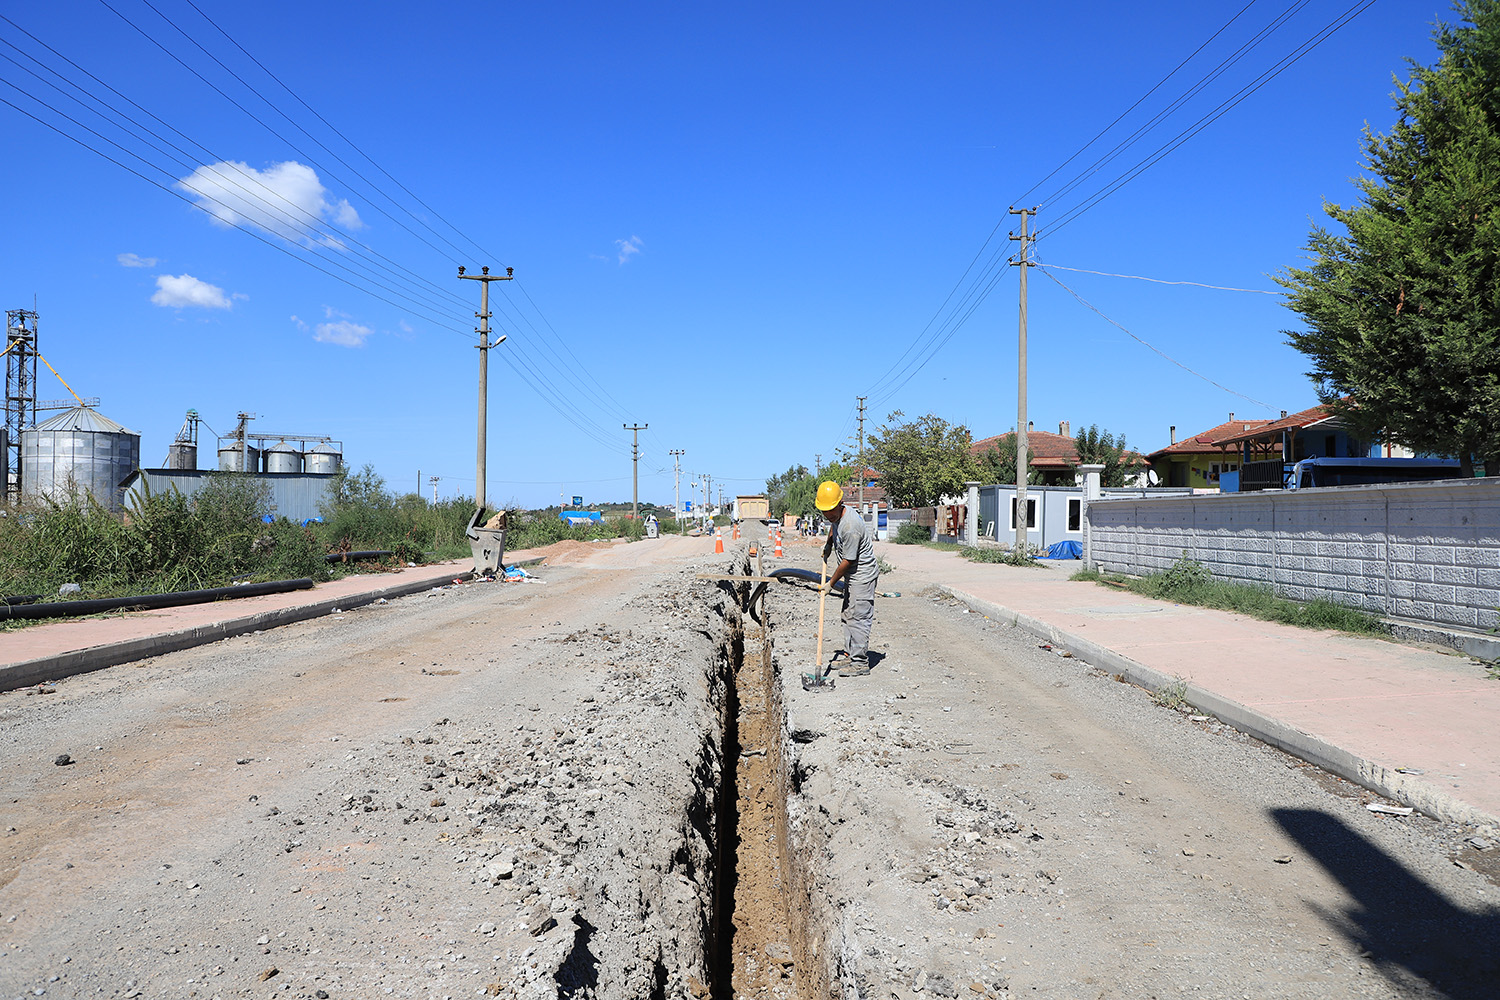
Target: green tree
921 460
1403 307
1096 447
997 463
780 488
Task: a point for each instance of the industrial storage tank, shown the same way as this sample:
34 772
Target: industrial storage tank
182 455
79 450
282 457
323 458
234 457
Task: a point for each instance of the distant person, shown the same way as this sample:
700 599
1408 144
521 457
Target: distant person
849 539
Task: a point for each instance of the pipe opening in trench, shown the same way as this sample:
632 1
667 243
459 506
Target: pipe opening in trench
766 943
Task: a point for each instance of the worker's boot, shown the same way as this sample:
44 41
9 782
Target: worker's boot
854 668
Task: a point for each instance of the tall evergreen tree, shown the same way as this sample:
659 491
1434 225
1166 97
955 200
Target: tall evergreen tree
1103 448
1403 308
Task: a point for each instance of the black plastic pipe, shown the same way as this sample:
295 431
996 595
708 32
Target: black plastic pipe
72 609
335 557
21 599
788 574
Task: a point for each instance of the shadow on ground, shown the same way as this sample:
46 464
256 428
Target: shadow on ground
1409 930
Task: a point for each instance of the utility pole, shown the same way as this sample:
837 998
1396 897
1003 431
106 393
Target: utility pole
1022 463
635 465
483 329
708 489
818 468
862 455
677 483
434 482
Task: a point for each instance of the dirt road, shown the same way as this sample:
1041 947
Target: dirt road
611 784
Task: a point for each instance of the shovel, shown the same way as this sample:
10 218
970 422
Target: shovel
818 680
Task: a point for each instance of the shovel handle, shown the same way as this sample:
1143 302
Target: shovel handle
822 599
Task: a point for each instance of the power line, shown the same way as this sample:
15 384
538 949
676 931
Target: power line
1223 108
1163 281
1143 343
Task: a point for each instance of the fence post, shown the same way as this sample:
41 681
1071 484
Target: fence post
971 513
1091 492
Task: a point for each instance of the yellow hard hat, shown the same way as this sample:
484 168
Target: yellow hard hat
830 495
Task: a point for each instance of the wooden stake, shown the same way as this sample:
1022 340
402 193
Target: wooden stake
822 599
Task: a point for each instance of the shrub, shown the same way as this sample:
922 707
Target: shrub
911 533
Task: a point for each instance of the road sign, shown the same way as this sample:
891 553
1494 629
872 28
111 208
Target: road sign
578 501
688 505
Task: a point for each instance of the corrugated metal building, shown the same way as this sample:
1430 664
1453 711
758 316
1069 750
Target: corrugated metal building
296 496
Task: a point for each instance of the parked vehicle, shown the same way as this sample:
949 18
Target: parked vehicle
1314 472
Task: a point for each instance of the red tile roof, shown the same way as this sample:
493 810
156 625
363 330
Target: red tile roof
1297 421
1210 442
1045 450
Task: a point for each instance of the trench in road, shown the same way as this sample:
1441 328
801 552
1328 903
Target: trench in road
767 941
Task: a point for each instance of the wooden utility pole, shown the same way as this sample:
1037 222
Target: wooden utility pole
677 483
1022 457
483 329
635 464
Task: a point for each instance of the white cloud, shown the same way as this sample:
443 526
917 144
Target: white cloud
629 247
186 290
285 199
135 260
344 332
297 320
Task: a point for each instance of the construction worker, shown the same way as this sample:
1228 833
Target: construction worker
849 539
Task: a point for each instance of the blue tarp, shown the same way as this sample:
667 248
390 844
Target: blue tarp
1064 550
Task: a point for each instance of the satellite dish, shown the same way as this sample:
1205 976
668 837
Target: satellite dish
1152 479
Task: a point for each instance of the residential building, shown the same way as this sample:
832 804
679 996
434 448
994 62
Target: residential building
1199 460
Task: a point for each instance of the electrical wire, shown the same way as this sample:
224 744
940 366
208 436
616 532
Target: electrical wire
568 371
1163 281
1197 374
952 315
529 370
1233 101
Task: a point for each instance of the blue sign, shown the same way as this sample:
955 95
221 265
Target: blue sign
687 505
578 501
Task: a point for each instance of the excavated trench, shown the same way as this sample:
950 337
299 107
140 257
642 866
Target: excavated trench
768 937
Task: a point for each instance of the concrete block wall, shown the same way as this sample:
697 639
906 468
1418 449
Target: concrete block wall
1425 552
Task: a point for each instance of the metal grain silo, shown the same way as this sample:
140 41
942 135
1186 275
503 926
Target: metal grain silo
182 455
282 457
78 450
235 457
323 458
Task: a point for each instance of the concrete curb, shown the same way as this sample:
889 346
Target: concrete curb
1411 791
82 661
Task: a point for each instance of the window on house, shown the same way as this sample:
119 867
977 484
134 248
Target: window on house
1075 513
1213 473
1031 521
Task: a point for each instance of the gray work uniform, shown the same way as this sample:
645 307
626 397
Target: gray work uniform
850 539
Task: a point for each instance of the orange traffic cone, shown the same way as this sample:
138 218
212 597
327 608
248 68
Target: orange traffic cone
736 534
778 545
718 544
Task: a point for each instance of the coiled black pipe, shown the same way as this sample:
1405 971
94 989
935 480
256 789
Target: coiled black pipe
788 574
343 557
71 609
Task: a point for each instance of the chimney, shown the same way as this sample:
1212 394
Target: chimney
1283 414
1231 416
1030 426
1172 431
1064 429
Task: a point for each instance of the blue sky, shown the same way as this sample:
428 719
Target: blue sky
726 223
